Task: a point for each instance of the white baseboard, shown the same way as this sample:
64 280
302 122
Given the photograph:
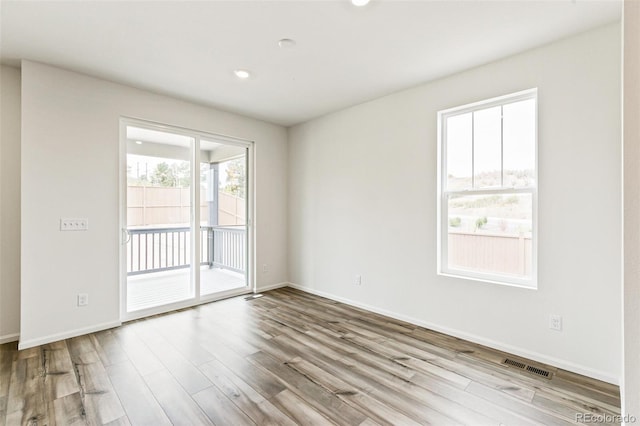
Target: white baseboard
13 337
26 344
271 287
532 355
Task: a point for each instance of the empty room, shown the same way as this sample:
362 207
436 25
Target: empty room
341 212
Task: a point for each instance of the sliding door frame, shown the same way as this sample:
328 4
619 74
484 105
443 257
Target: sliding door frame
195 217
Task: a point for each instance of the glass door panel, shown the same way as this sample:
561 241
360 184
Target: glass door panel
158 218
223 217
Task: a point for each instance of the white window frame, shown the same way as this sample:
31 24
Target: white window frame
444 194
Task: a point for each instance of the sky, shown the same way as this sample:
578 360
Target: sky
483 129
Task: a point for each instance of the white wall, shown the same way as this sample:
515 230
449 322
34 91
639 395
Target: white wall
631 387
9 204
70 146
362 200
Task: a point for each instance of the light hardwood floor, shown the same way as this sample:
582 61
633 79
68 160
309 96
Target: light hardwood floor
284 358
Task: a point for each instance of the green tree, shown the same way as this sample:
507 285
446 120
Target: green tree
480 222
163 175
182 173
236 178
455 222
176 174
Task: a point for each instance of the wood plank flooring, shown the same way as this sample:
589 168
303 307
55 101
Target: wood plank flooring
283 359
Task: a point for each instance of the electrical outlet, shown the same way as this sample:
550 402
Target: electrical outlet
555 322
67 224
357 280
83 299
265 268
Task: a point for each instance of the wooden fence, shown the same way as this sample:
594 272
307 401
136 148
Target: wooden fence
509 254
150 205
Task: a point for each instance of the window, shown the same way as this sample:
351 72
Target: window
487 190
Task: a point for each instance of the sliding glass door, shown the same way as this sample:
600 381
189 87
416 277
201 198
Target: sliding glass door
186 234
223 219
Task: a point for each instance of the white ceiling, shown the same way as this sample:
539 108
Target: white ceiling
345 55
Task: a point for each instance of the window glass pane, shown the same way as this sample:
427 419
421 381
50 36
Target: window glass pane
487 152
491 234
519 121
223 186
159 205
459 152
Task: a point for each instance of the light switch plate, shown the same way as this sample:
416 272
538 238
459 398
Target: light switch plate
69 224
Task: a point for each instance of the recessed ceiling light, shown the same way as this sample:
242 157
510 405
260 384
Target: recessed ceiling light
286 43
242 74
360 2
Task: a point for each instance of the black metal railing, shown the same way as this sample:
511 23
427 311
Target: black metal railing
164 249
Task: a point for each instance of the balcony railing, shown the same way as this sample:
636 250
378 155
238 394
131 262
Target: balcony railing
164 249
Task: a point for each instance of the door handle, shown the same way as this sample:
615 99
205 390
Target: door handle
126 235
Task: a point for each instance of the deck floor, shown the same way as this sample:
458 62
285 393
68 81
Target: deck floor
161 288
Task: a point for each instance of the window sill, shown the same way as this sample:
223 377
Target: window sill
532 285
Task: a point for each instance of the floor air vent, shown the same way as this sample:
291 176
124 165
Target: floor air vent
528 368
253 296
513 363
538 371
